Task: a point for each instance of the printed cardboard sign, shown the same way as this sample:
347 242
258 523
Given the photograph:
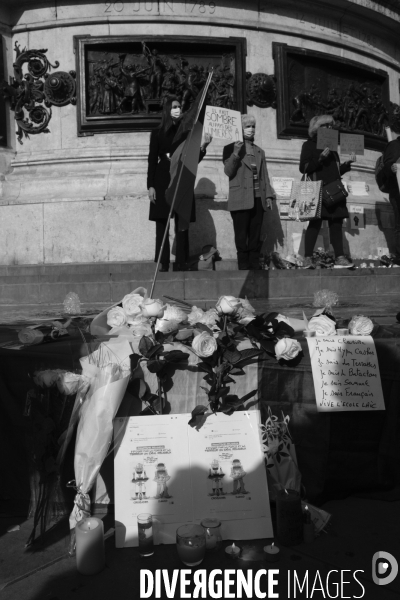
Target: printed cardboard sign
327 138
351 143
223 124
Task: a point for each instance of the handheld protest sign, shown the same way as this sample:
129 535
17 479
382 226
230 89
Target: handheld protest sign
223 124
327 138
351 143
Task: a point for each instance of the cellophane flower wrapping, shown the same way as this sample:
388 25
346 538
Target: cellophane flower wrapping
109 377
280 455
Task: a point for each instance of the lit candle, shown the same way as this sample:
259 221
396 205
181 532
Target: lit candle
191 544
233 551
90 557
272 553
308 527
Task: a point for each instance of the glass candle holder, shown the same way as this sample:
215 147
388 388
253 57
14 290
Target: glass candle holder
212 528
145 534
191 544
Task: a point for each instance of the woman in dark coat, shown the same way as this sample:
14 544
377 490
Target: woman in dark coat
158 179
324 164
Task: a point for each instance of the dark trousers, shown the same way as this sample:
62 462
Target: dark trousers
247 227
181 239
394 198
335 234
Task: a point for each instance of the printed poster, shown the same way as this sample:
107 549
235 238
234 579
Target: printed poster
180 474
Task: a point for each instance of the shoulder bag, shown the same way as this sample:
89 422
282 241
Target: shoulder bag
334 192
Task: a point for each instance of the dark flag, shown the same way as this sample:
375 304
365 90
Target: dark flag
185 159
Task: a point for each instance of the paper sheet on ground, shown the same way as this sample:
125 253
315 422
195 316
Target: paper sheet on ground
180 474
346 373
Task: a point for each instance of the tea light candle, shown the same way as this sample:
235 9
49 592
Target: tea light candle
342 331
233 551
90 558
272 553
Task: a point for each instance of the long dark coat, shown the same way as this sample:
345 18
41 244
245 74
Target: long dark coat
158 175
326 171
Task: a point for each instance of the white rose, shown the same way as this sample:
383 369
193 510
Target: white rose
131 305
196 315
46 378
322 325
140 326
282 318
152 308
68 383
360 325
210 317
204 344
246 305
174 313
228 305
116 317
287 348
245 317
166 326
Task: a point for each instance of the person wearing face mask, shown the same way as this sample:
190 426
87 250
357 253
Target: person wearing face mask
250 193
158 179
326 167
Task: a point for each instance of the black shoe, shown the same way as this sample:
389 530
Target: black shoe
243 267
179 267
164 267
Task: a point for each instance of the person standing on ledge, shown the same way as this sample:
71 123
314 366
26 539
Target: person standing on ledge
391 156
158 179
250 193
327 168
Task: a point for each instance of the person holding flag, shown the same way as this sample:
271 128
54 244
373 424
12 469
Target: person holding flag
163 142
250 193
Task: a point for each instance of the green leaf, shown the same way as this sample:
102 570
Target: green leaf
232 356
154 350
205 367
237 371
248 396
198 410
154 366
184 334
250 353
176 356
145 345
223 392
202 327
135 358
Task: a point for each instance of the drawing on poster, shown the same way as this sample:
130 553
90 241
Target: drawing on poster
238 474
161 478
139 483
216 476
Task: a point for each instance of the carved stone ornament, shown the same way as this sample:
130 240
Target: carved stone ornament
27 92
123 82
261 90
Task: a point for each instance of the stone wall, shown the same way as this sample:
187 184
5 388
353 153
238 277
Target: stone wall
84 199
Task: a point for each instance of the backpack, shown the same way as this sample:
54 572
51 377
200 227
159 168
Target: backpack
380 177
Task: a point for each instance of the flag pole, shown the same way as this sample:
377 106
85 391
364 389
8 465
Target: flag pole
187 142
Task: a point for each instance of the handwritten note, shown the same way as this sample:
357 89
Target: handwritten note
351 143
223 124
346 373
327 138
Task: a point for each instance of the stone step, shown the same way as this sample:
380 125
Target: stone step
108 283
